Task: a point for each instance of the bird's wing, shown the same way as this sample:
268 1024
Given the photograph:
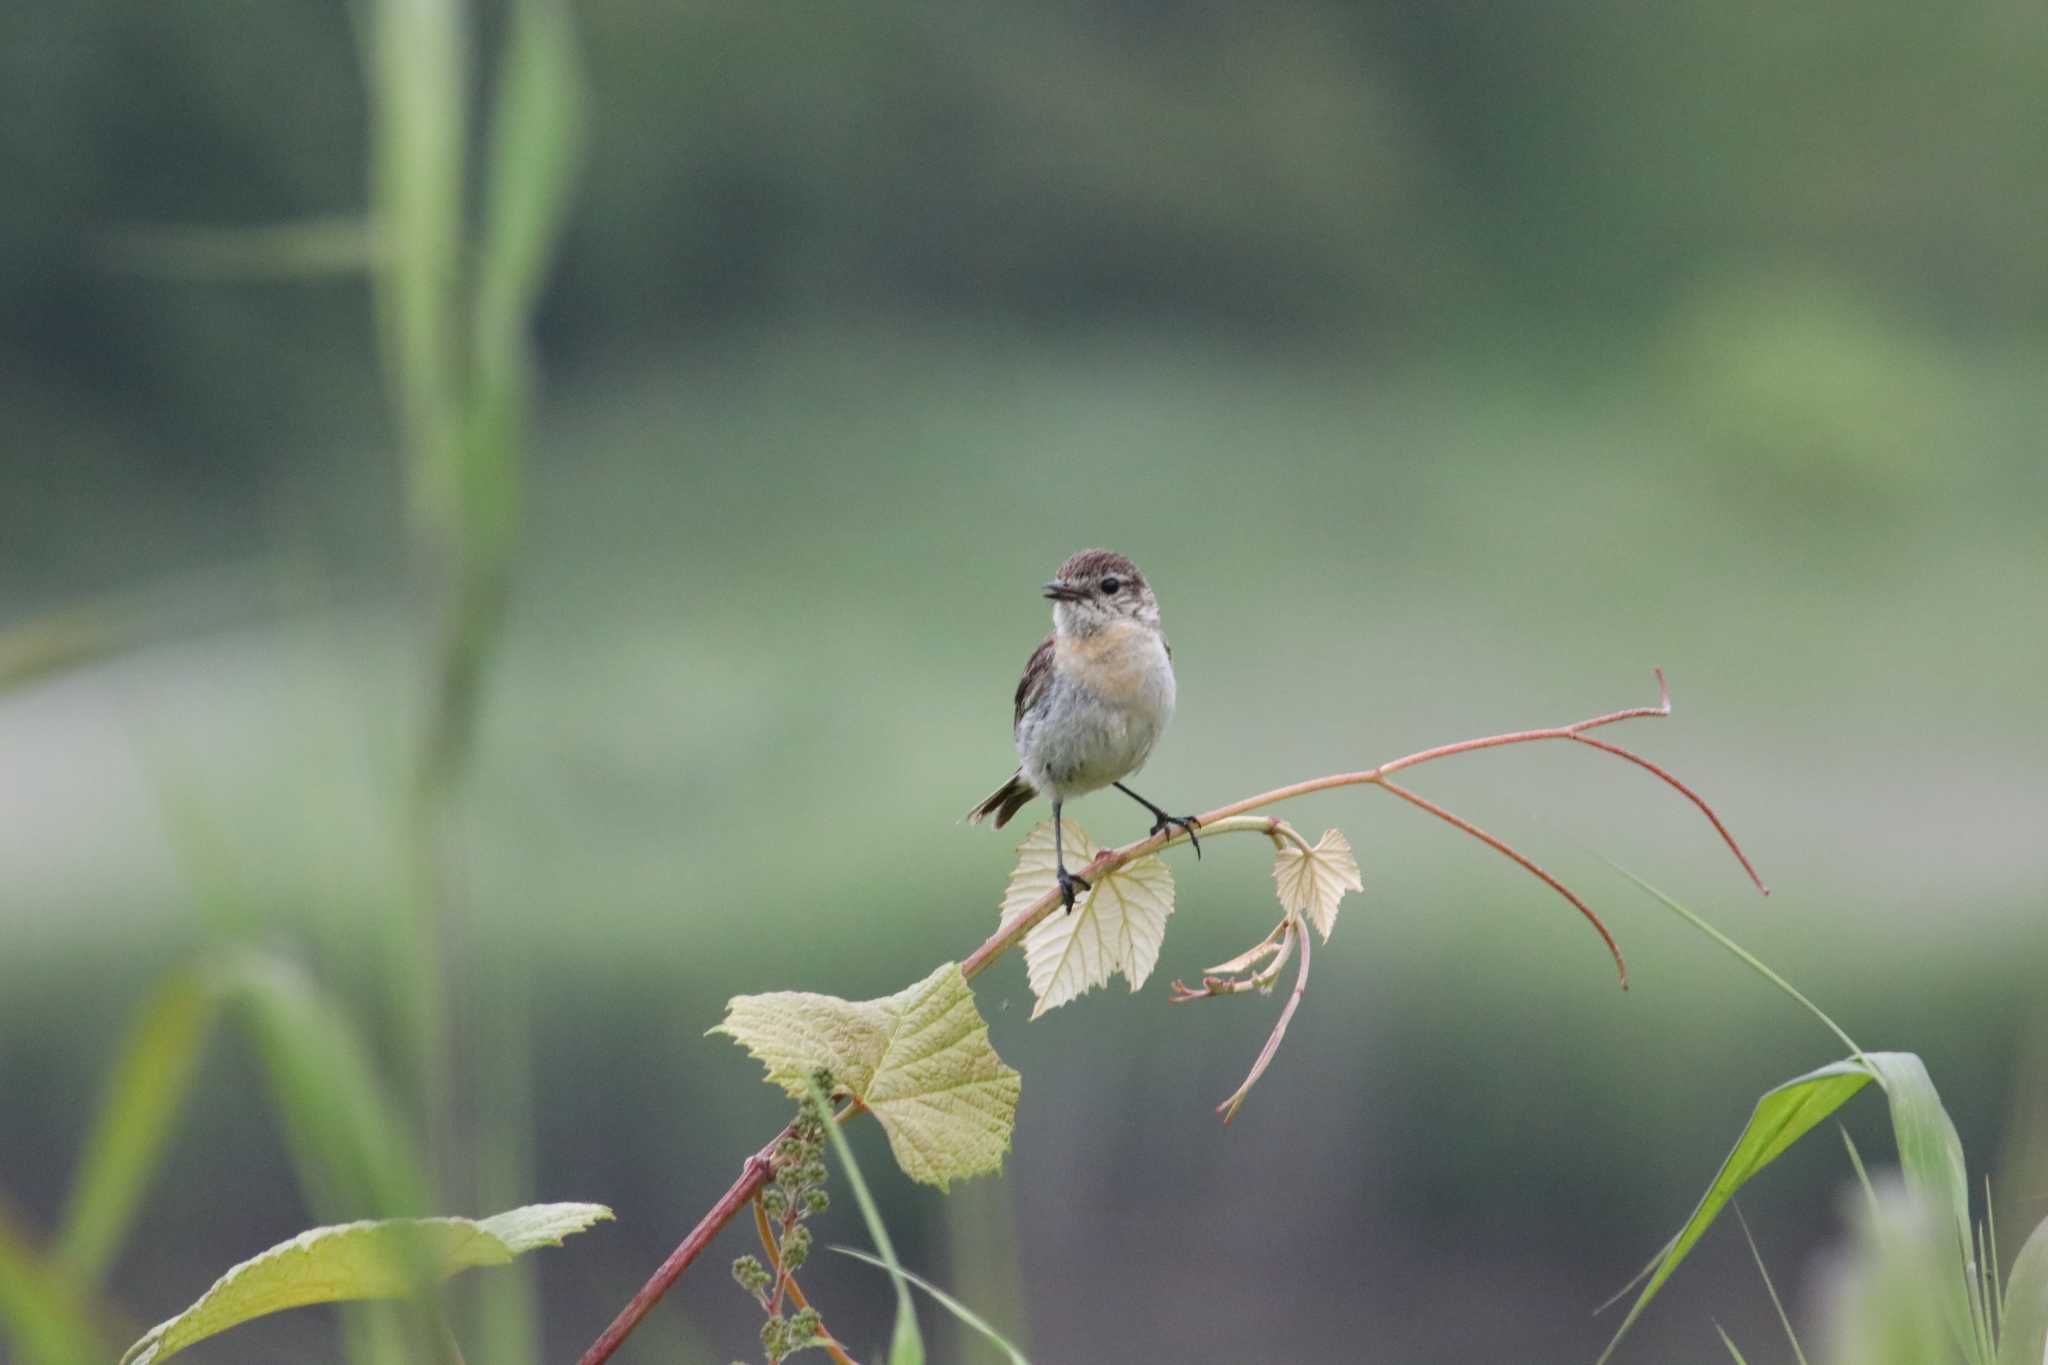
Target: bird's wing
1037 674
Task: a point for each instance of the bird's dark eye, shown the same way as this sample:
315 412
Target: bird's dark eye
1111 585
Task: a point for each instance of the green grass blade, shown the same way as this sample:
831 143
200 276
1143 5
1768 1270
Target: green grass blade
135 1119
348 1146
311 249
949 1303
1862 1172
1782 1116
1994 1276
535 136
44 1319
1931 1160
2023 1332
906 1346
1742 955
1730 1344
1757 1255
416 56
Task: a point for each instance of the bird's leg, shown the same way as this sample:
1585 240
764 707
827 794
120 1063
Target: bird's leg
1068 881
1160 819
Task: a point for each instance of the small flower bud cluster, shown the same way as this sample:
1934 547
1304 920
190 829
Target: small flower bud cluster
796 1193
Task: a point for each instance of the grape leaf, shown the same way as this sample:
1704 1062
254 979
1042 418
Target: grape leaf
1116 926
1312 881
385 1259
920 1060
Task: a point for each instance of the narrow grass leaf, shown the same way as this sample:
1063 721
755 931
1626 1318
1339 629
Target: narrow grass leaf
535 133
1931 1160
44 1317
416 59
1730 1344
1782 1116
1756 1254
906 1345
1742 955
347 1144
949 1303
370 1260
136 1117
311 249
2023 1333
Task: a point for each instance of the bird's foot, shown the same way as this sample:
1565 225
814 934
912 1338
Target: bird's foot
1068 881
1186 822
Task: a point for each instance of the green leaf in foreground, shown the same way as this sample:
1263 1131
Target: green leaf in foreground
1931 1160
2023 1336
371 1260
919 1060
1782 1117
946 1301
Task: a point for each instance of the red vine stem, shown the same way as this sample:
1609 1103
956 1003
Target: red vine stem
760 1165
753 1176
1613 948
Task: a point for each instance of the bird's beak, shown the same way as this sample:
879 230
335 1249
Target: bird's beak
1061 591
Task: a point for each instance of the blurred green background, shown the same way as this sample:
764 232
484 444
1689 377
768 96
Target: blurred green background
1445 367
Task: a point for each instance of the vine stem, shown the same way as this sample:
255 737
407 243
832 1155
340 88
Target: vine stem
753 1176
759 1166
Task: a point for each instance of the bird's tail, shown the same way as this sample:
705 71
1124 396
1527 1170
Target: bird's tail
1004 802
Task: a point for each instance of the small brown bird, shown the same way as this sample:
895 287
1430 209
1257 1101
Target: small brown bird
1094 699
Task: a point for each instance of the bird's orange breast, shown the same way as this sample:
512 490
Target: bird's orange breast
1119 663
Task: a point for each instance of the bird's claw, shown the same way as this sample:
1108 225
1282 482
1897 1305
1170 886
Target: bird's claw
1068 881
1186 822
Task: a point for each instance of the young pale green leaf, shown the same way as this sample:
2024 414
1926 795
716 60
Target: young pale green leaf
135 1119
1782 1117
919 1060
2023 1336
370 1260
948 1302
1116 926
1312 881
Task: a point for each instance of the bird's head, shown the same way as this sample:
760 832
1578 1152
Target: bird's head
1097 587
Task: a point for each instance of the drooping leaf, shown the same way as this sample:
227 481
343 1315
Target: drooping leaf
1116 926
1312 881
1781 1117
1931 1160
919 1060
369 1260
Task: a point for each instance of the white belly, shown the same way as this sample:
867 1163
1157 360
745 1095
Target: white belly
1106 706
